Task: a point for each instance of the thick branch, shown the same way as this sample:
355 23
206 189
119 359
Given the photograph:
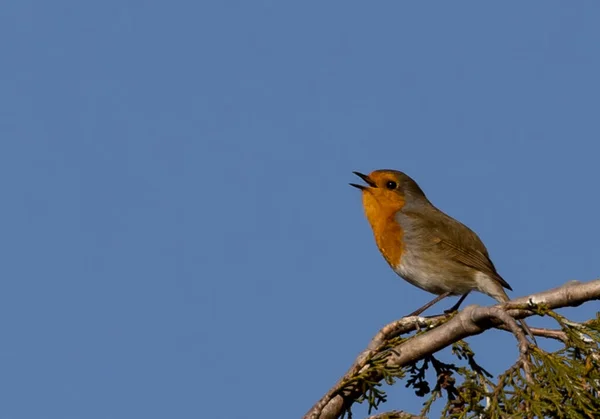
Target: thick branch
473 320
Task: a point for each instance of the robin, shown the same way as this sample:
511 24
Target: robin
423 245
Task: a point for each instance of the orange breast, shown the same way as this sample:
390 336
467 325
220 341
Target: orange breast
388 236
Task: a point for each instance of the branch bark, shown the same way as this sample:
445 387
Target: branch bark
395 414
471 321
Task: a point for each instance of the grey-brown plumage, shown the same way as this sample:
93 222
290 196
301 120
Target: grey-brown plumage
444 255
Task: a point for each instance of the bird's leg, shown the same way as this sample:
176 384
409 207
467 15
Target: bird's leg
457 305
429 304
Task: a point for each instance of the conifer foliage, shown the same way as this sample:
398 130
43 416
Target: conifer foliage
563 383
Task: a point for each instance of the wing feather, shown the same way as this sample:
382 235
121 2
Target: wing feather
455 241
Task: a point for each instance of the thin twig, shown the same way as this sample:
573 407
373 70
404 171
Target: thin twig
512 325
546 333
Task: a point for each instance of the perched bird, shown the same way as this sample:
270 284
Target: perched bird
423 245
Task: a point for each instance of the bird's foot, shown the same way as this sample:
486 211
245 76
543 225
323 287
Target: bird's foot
451 310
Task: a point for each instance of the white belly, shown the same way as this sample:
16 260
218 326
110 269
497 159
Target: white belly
431 277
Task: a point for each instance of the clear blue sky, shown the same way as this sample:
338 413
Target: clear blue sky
179 239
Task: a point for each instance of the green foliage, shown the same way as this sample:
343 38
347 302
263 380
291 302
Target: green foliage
564 383
366 384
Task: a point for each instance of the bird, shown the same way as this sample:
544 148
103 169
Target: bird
423 245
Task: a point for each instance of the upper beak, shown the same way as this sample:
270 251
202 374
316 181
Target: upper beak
367 180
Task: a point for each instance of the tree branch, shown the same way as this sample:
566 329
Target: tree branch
395 414
446 330
545 333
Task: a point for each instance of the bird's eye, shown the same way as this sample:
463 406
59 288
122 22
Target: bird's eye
391 185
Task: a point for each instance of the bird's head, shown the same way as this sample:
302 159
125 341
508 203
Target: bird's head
388 191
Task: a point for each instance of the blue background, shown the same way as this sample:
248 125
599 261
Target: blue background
178 234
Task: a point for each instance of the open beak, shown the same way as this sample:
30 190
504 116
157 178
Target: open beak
367 180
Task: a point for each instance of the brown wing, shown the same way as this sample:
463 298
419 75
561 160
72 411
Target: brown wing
456 241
